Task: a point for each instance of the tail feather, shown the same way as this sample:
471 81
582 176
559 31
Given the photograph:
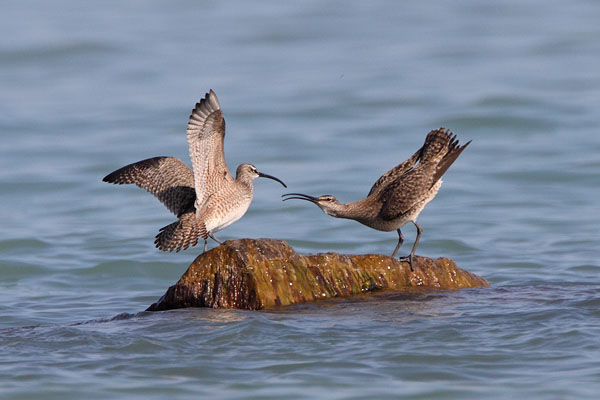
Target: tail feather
181 234
449 152
436 145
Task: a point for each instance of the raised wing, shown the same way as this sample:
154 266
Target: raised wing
167 178
205 133
396 172
440 150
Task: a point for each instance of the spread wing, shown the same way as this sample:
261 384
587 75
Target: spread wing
396 172
402 192
205 133
167 178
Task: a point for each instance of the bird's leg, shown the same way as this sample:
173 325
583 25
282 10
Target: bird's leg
205 245
214 238
412 253
400 241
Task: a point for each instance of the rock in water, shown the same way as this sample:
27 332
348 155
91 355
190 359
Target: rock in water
253 274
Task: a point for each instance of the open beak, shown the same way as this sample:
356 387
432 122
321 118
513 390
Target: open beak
300 196
272 177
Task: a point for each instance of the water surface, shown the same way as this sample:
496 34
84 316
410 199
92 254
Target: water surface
326 96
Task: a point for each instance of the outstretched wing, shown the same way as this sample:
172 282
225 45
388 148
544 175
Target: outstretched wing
396 172
205 133
167 178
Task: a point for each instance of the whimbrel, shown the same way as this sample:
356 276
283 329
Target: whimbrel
400 194
206 199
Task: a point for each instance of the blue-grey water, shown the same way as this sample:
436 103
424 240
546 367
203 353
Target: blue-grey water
326 96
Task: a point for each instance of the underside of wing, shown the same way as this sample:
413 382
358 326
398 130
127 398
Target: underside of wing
167 178
395 172
205 133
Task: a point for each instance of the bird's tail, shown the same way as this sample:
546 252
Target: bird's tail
181 234
436 145
441 148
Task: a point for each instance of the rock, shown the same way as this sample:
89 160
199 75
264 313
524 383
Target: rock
255 274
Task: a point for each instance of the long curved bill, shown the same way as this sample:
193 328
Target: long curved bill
299 196
272 177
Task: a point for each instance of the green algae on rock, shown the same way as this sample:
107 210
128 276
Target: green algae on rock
253 274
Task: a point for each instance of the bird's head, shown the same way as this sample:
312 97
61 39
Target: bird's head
249 171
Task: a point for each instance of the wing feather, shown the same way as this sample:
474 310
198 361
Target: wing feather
405 191
396 172
206 133
167 178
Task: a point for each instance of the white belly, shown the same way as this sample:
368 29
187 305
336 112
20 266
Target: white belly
218 221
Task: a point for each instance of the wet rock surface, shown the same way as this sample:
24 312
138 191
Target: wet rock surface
254 274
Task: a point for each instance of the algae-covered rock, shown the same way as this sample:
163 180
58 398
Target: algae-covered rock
255 274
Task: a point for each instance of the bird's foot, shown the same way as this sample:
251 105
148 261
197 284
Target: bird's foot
408 258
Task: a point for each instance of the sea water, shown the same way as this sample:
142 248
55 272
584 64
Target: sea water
326 96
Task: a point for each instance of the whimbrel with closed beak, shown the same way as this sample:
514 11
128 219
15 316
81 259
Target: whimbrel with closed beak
206 199
401 193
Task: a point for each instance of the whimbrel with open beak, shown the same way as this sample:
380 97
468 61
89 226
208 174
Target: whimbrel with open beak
206 199
400 194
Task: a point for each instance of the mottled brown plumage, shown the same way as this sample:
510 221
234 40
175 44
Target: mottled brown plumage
167 178
206 199
400 194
